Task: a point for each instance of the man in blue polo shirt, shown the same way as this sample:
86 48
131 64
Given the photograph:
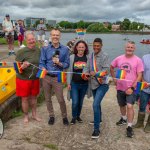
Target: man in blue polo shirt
54 58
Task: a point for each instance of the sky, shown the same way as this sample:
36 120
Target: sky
76 10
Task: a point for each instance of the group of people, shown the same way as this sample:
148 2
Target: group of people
16 31
82 67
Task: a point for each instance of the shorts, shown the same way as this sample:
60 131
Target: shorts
41 37
25 88
123 98
10 39
20 38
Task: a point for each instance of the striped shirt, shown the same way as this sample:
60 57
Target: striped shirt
146 73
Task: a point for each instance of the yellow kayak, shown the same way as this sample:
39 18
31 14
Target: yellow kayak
7 83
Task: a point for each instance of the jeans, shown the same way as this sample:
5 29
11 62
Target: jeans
98 95
144 99
78 92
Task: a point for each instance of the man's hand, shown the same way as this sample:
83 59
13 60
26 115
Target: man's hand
85 76
92 73
25 64
129 91
69 87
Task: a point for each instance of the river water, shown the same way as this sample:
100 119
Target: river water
113 44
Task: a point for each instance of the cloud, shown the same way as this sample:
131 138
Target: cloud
75 10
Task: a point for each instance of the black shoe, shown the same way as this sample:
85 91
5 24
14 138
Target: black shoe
130 132
13 53
51 120
65 121
121 122
73 121
95 134
79 120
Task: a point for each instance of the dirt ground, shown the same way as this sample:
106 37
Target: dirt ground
41 136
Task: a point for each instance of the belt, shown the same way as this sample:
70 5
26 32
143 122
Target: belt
52 75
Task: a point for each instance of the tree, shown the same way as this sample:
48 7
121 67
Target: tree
97 27
125 24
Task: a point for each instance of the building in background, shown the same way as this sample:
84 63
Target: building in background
115 27
30 22
51 23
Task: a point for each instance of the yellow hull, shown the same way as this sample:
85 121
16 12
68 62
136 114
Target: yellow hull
7 83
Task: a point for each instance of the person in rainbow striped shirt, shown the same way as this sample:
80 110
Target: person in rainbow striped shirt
125 87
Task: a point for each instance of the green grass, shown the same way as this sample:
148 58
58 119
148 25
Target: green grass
51 146
17 113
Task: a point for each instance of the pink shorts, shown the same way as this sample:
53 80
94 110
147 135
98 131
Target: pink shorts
25 88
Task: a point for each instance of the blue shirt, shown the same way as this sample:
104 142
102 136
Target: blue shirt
146 73
46 58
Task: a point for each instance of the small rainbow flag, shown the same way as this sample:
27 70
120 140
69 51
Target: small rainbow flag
81 31
3 64
101 74
62 77
120 74
140 86
41 73
17 67
93 62
84 77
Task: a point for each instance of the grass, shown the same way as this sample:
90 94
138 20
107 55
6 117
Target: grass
17 113
51 146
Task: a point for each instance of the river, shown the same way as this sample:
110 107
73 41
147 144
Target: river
113 44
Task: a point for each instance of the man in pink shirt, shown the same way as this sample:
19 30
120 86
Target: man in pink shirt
125 88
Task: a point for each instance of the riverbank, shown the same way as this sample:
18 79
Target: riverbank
41 136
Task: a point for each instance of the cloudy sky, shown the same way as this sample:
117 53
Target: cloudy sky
75 10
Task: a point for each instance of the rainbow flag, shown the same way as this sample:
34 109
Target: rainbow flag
101 74
120 74
41 73
62 77
79 65
140 86
17 67
81 31
93 62
3 64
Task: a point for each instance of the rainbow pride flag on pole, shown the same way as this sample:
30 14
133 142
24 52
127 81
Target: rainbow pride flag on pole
81 32
120 74
3 63
140 86
17 67
62 77
101 74
41 73
93 62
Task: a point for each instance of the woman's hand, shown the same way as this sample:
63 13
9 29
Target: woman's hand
25 64
129 91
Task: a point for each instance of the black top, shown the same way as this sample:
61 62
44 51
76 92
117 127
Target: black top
78 65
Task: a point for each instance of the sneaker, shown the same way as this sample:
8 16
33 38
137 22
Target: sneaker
73 121
121 122
95 134
79 120
9 53
51 120
13 53
129 132
65 121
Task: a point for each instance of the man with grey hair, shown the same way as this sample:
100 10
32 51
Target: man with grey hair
27 84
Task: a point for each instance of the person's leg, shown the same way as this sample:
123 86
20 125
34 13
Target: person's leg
121 97
100 92
33 104
75 99
58 88
25 107
82 92
48 94
144 98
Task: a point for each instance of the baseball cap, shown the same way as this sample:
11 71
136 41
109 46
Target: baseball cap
7 15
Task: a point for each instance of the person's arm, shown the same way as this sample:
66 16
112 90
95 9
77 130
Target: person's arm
112 72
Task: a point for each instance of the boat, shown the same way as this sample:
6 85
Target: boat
145 41
7 83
